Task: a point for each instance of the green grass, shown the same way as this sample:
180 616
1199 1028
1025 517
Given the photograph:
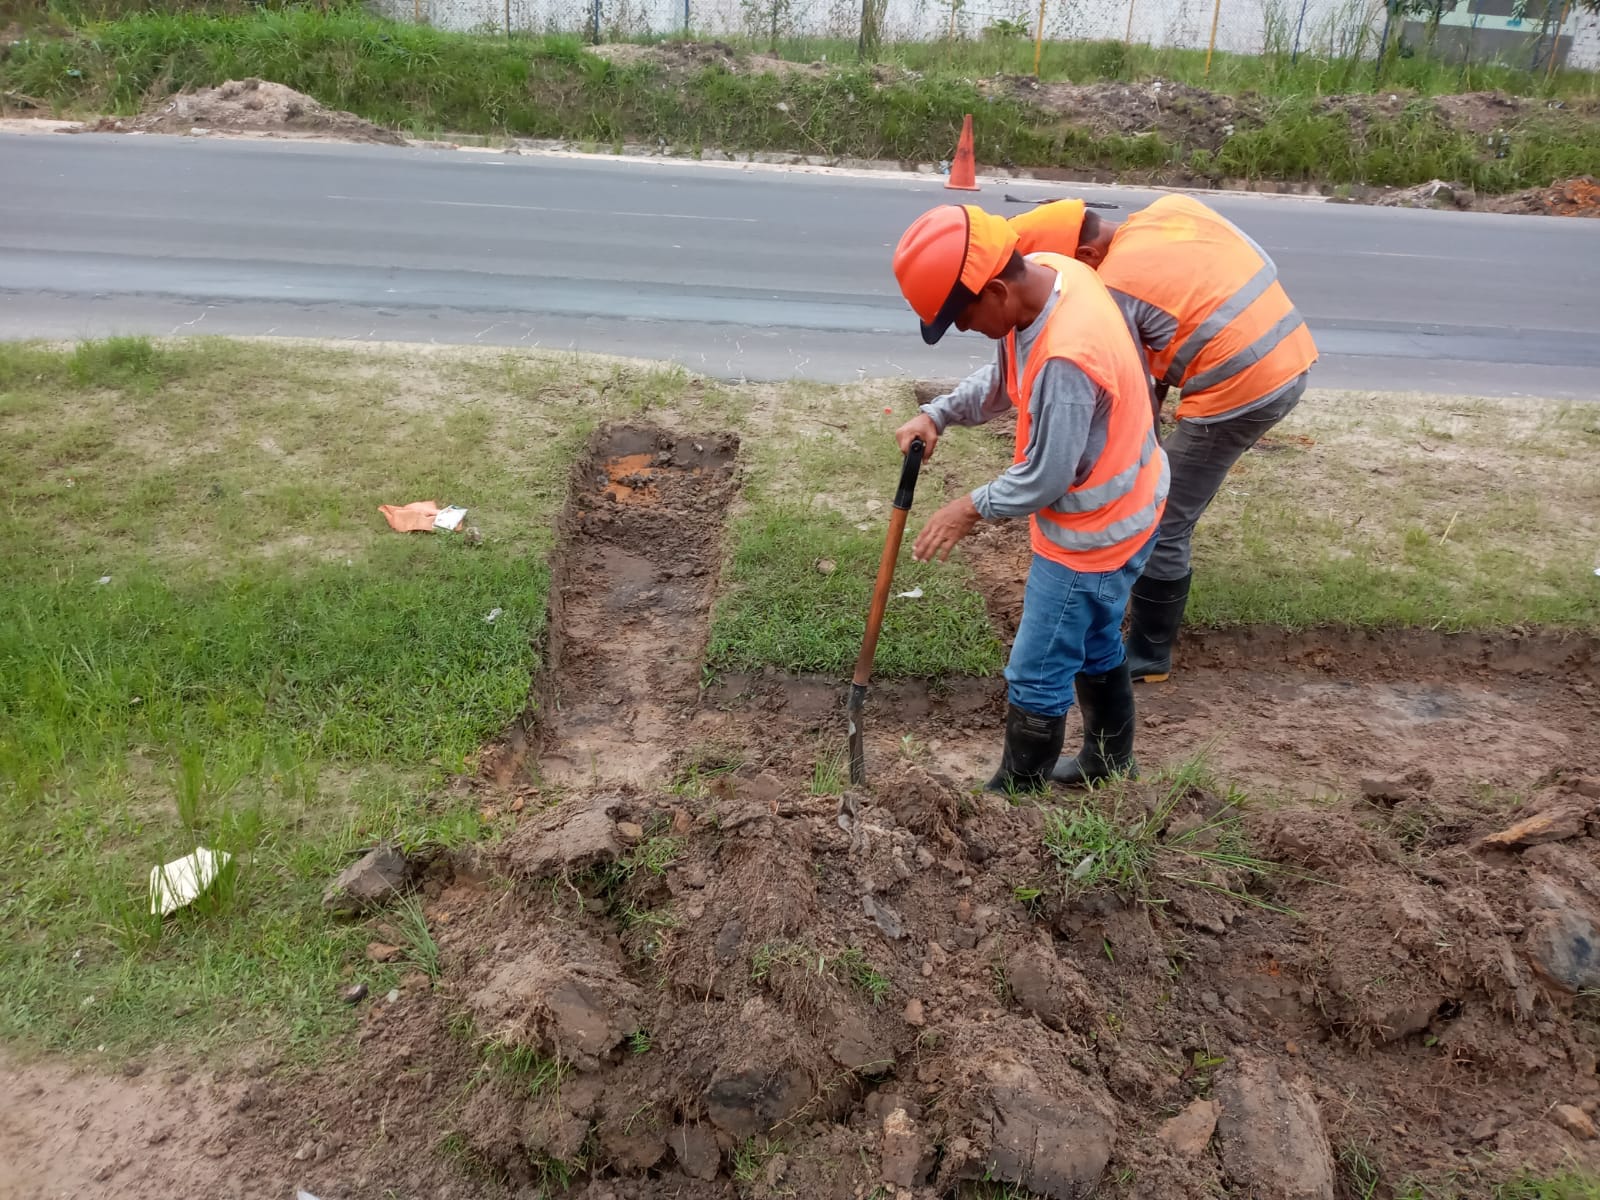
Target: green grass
1570 1185
782 611
1270 73
426 81
1408 511
268 670
1116 839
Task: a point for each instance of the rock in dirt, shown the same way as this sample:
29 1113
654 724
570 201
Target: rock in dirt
1390 790
729 938
1317 839
567 997
1574 1120
856 1049
913 1013
695 1148
382 952
576 834
1562 939
1055 1146
1189 1133
1273 1146
1556 825
748 1102
376 877
887 920
1045 986
907 1156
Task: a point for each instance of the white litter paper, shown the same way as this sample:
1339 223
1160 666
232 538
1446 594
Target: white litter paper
494 615
914 594
449 519
176 884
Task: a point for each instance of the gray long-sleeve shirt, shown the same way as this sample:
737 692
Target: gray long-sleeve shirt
1070 416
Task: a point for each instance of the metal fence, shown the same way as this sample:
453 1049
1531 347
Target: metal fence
1533 34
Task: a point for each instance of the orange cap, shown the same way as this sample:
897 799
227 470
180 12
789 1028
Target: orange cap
946 258
1054 227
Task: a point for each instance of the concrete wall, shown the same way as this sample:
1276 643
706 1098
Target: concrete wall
1338 28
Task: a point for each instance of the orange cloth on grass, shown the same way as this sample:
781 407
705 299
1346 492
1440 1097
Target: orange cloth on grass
410 518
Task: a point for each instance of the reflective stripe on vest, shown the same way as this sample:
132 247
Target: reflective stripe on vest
1219 320
1135 523
1099 524
1239 338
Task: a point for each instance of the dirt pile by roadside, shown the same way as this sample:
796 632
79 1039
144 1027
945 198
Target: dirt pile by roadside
251 107
1180 114
1579 197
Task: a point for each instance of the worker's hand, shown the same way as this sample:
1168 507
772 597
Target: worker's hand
920 426
944 529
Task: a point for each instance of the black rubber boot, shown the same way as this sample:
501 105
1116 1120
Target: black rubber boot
1155 611
1107 705
1033 743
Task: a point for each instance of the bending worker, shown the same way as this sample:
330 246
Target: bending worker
1205 302
1088 471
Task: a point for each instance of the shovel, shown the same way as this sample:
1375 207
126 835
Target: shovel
880 601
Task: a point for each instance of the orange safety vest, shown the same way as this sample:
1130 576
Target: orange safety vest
1100 523
1239 338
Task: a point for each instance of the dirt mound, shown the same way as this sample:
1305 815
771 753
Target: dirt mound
690 57
1183 115
1436 193
250 106
1578 197
748 995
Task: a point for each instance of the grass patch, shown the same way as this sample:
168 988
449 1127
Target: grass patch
1114 840
804 560
425 80
1571 1185
209 637
1269 73
1408 511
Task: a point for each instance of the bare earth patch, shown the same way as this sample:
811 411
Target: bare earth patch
252 107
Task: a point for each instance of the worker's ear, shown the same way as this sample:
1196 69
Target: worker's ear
1090 255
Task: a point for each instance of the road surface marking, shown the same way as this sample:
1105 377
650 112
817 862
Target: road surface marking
543 208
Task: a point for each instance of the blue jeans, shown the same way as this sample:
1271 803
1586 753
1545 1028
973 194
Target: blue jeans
1071 624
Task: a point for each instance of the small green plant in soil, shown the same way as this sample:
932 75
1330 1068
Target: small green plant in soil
421 951
1111 840
751 1156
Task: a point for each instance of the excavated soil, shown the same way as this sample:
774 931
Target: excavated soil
251 107
631 589
693 976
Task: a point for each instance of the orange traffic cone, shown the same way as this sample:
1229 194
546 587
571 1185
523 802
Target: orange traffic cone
963 171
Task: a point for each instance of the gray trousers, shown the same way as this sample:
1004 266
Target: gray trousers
1202 454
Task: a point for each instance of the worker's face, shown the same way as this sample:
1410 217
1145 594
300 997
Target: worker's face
990 313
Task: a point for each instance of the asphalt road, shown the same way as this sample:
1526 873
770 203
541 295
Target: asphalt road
754 273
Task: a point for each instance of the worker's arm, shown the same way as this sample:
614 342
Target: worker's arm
1062 413
1153 328
1061 410
978 398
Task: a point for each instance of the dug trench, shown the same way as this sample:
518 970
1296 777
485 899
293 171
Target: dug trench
680 974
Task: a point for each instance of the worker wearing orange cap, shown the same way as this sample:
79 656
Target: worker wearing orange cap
1205 303
1088 472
